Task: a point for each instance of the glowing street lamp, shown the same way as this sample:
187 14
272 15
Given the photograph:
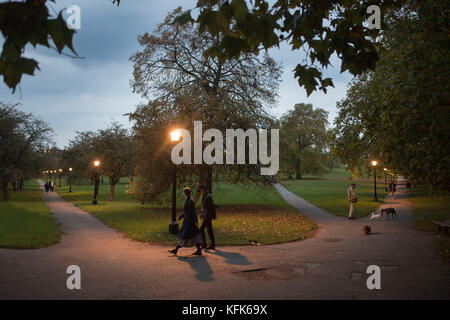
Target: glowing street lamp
374 164
60 174
175 135
70 179
97 181
173 225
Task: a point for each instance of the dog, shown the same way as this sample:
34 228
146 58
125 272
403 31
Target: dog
389 211
376 216
367 230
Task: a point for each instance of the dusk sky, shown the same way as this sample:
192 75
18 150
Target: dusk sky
89 93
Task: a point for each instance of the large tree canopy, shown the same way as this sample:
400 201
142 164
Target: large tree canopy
319 28
114 148
181 85
303 137
22 138
400 113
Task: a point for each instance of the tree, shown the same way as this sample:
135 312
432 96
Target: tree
113 146
116 148
399 113
320 28
181 85
303 134
22 137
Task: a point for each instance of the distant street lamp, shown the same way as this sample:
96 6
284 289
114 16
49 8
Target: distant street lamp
70 179
60 174
385 179
173 225
96 181
374 164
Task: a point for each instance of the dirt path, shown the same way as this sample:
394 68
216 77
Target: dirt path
330 265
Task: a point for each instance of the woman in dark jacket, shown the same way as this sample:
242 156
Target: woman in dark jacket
189 235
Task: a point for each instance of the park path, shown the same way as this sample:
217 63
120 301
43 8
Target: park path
330 265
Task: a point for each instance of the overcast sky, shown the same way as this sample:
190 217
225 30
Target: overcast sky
88 94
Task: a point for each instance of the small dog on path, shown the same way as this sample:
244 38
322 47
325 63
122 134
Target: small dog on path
376 216
367 230
389 211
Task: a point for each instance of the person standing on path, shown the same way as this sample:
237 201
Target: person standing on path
189 234
393 188
352 199
208 214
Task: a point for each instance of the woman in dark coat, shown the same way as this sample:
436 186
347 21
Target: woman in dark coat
189 235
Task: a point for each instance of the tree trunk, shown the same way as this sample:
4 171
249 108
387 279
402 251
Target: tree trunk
5 190
209 179
21 183
205 177
111 191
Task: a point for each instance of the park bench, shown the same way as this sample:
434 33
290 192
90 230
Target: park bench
442 225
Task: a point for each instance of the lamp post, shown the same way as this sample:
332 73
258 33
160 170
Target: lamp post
374 164
60 174
70 180
385 179
173 225
96 181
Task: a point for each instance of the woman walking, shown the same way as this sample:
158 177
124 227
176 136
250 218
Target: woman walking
189 234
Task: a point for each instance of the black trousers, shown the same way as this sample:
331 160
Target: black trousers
207 224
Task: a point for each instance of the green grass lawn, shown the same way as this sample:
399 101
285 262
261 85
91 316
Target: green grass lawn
245 216
432 208
25 220
330 194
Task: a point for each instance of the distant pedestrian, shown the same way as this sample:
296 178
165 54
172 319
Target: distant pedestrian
52 186
208 214
392 189
352 199
46 186
189 234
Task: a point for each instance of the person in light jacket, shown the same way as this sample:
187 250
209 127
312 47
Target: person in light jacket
189 234
352 199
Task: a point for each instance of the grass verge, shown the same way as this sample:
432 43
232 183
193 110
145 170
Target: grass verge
432 208
244 217
331 195
25 220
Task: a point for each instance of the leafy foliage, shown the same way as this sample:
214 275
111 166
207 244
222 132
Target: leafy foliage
400 112
28 22
182 84
22 137
303 135
320 28
112 146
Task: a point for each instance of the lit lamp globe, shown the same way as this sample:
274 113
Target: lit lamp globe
374 164
96 165
175 136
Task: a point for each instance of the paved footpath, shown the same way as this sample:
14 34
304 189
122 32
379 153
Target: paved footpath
330 265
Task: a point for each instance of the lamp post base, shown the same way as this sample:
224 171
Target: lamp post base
94 201
173 228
